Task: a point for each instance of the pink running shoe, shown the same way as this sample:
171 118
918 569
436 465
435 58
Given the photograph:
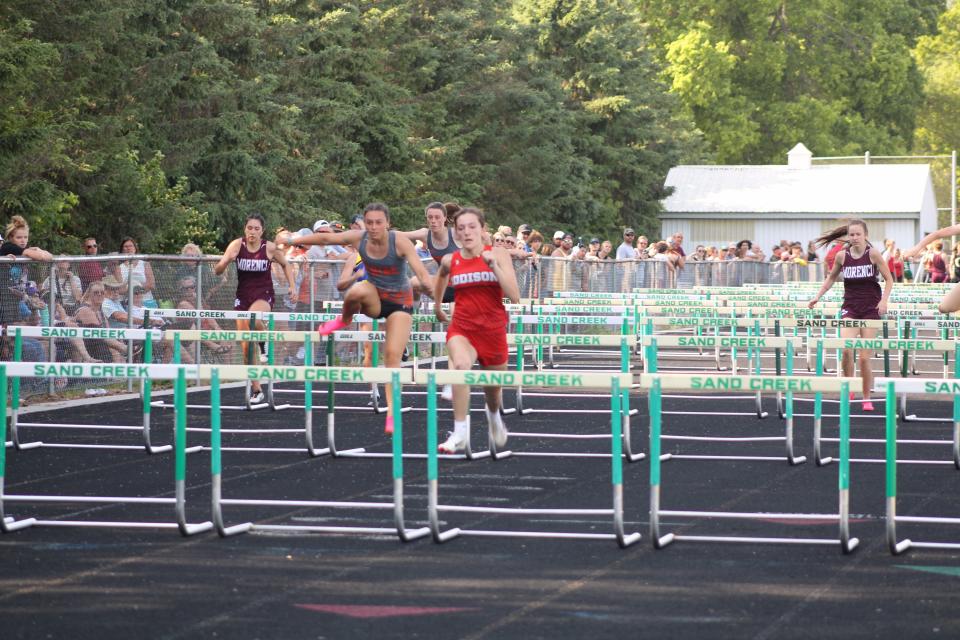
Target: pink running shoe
852 395
330 326
867 405
388 427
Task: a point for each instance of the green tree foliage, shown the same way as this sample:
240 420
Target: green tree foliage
757 77
938 57
170 120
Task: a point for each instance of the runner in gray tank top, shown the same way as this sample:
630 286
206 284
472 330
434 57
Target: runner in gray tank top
386 293
861 296
951 300
438 238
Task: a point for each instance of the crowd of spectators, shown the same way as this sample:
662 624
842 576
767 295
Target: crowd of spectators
115 292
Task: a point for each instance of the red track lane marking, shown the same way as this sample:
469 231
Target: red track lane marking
379 611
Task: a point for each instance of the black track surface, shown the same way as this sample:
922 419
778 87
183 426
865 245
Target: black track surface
111 583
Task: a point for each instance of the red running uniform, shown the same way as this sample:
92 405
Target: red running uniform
478 314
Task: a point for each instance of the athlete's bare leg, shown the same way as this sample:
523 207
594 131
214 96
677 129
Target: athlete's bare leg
951 301
397 337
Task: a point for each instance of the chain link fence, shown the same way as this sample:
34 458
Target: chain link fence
114 293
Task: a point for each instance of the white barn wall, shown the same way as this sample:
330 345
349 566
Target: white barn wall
771 231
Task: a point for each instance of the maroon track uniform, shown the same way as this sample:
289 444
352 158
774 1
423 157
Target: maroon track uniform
861 290
254 280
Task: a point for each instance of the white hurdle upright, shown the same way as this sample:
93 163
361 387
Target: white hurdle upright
611 382
394 376
892 386
655 383
155 372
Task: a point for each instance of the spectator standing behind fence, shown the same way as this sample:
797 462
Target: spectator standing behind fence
14 282
213 288
812 255
937 263
90 271
139 271
626 250
895 264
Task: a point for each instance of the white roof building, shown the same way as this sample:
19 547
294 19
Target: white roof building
722 204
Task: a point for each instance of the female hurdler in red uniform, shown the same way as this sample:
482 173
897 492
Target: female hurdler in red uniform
480 276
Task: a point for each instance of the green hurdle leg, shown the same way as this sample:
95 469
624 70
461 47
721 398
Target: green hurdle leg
895 547
654 402
624 407
788 414
616 466
956 409
146 389
433 471
405 535
308 401
847 543
15 399
818 413
7 524
180 459
216 483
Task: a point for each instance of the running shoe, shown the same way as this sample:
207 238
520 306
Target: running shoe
455 444
388 427
447 393
330 326
867 405
406 354
257 397
263 353
496 428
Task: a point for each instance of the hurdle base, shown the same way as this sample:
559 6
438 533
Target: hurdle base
26 446
663 541
193 529
445 536
10 524
629 540
796 460
850 545
237 529
914 418
901 547
822 462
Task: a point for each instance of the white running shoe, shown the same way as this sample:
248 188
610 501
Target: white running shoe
257 397
496 428
454 444
447 393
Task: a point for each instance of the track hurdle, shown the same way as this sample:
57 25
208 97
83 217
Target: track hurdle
891 387
394 376
67 370
656 383
133 371
900 404
611 382
752 343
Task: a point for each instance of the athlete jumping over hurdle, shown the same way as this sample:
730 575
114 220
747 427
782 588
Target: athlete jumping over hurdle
386 293
951 301
253 256
860 263
481 276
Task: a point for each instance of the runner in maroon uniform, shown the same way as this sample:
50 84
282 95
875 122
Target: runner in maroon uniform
860 264
253 256
480 276
951 301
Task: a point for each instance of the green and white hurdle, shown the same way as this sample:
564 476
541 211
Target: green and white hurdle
141 372
611 382
657 383
75 370
891 387
396 377
899 404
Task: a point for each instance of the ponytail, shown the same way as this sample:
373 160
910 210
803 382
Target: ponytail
839 232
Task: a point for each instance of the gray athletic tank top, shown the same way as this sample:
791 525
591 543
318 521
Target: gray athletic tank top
388 274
